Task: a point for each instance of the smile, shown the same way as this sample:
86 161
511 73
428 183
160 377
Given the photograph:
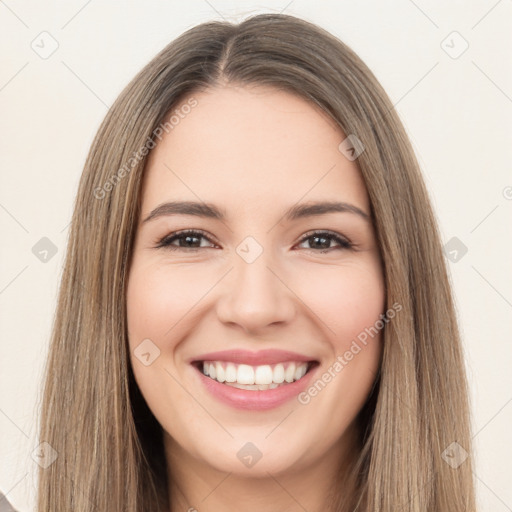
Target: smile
256 378
254 381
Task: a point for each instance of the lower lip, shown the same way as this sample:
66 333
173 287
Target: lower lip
255 399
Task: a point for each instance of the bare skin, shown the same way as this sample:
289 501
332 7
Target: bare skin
254 153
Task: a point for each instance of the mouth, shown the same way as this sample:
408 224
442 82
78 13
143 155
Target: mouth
255 378
254 381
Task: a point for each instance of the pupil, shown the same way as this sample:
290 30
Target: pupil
188 238
324 245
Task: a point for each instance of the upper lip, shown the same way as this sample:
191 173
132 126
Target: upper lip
270 356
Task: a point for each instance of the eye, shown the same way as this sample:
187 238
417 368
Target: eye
323 239
189 238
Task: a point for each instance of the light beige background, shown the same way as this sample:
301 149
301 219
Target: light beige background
457 111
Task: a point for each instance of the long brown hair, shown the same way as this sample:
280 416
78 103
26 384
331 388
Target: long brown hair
109 445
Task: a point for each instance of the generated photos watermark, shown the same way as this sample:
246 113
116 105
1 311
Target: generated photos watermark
178 114
341 361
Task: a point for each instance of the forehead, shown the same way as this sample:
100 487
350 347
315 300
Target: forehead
251 148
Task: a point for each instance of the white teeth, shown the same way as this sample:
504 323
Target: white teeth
230 372
289 373
278 375
299 372
255 377
244 374
221 373
255 387
263 375
242 386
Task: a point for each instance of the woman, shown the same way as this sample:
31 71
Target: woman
254 311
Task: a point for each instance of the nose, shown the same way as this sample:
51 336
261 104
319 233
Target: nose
255 296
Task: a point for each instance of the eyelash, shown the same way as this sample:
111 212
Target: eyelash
166 241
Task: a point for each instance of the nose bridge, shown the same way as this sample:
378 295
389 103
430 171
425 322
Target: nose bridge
254 296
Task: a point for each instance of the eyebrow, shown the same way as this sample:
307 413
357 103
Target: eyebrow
211 211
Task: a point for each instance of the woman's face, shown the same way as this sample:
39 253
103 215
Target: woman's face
256 295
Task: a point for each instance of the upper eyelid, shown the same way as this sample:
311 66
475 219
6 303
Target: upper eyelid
183 232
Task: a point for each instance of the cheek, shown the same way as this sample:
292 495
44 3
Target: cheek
160 301
346 300
158 298
349 303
